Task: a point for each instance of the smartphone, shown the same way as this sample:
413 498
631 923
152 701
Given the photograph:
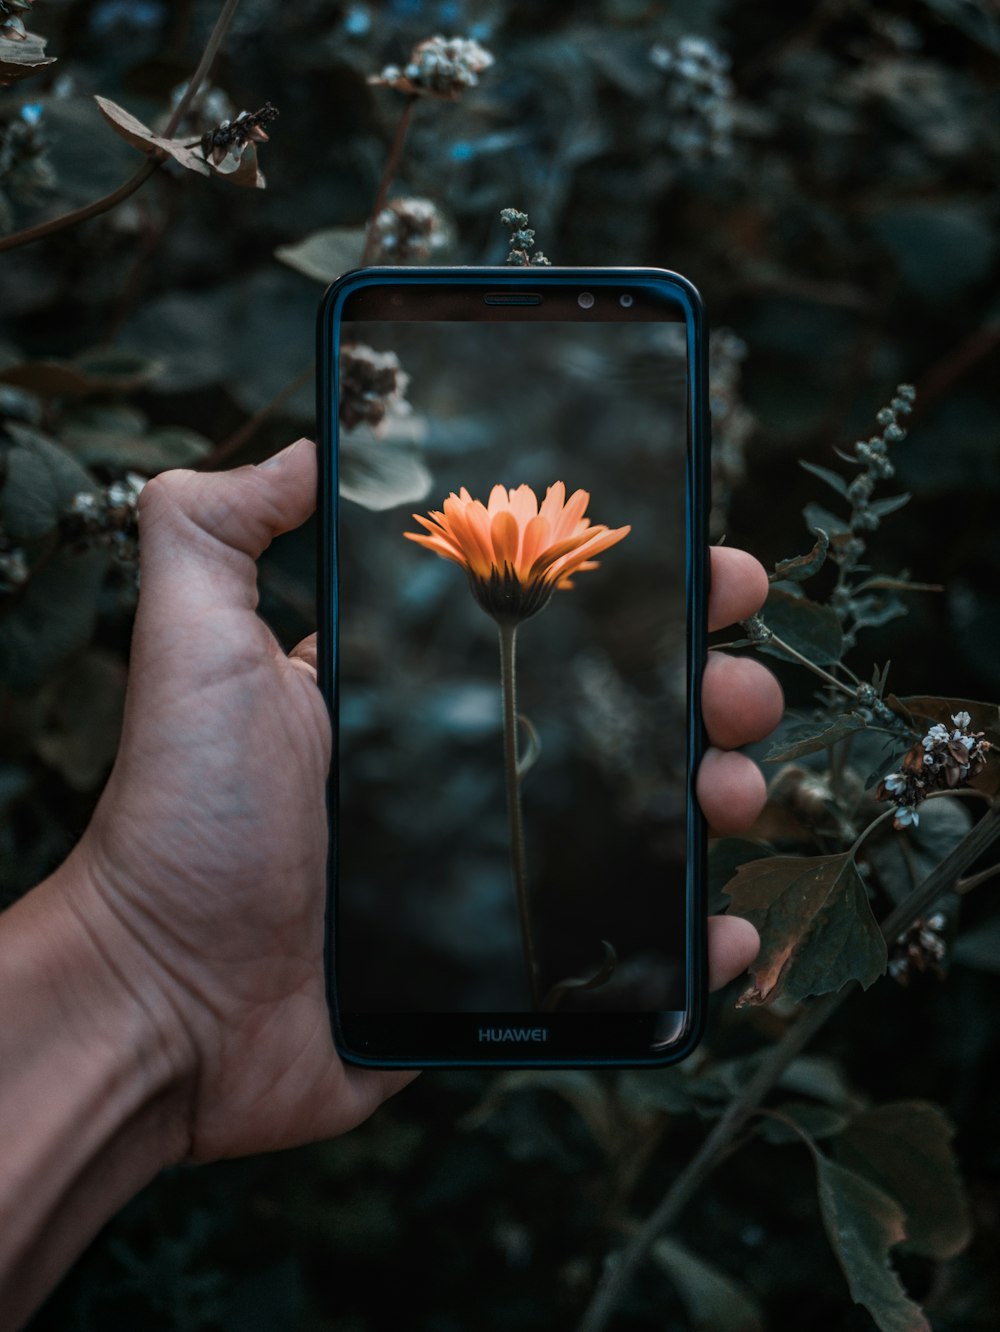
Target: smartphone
513 500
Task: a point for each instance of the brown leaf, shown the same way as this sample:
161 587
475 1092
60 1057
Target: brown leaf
816 926
21 59
140 136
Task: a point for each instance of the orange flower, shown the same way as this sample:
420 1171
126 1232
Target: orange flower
515 551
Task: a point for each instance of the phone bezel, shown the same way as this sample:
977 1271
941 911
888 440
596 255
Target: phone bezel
450 1040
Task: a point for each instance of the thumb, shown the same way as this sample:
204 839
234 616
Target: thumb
201 533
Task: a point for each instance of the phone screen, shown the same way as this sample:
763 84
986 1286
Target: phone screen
513 670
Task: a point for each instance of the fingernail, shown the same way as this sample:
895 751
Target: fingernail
281 456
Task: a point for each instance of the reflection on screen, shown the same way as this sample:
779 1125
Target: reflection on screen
512 658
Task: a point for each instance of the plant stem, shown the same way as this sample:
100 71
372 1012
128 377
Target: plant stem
816 670
31 234
391 167
720 1142
508 680
211 50
244 433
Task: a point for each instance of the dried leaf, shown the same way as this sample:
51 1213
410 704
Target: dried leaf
95 372
142 137
714 1301
904 1149
725 856
325 255
817 928
863 1224
800 567
19 60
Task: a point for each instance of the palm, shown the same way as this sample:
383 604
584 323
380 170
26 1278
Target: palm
219 859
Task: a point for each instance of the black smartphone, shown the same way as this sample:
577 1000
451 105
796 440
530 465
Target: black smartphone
513 500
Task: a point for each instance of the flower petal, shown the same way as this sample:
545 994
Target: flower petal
537 535
506 535
571 516
601 539
552 504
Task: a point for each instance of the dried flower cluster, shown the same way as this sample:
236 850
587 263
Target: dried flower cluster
699 98
25 170
409 231
921 948
224 145
372 383
522 238
107 519
11 24
438 67
942 760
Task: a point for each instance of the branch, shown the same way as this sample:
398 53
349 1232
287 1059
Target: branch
619 1270
31 234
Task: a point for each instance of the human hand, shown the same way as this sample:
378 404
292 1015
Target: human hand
201 877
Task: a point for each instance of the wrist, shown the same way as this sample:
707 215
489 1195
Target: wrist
117 1013
96 1087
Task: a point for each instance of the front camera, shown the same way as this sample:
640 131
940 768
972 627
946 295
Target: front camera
585 300
625 300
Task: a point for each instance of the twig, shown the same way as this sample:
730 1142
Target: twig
619 1271
244 433
391 167
31 234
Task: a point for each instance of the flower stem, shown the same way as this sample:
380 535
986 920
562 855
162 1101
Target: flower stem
508 680
391 167
104 205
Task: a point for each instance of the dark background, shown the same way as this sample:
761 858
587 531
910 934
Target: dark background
843 230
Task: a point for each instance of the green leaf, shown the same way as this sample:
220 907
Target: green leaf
819 519
800 567
714 1301
821 1077
656 1089
883 507
380 475
805 625
325 255
816 1121
104 438
725 856
904 1149
809 737
834 479
902 863
868 612
51 618
939 248
41 480
816 926
18 60
863 1224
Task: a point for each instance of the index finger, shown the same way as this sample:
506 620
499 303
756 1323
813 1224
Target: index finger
738 586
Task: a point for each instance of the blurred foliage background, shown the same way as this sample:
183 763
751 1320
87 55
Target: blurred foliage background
827 177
